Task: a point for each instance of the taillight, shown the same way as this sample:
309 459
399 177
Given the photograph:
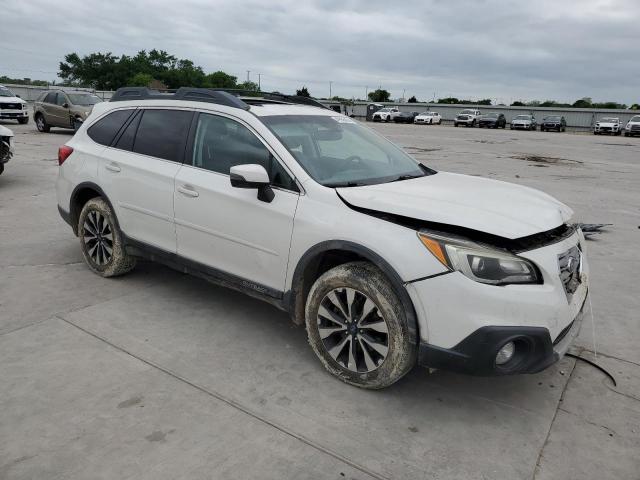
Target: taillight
63 153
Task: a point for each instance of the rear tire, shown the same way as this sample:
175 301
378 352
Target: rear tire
358 328
41 123
101 240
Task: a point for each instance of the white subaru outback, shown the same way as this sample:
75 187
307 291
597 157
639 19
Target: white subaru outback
388 263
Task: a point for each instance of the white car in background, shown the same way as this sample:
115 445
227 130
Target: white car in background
608 125
6 146
429 118
633 127
387 262
12 107
467 117
386 114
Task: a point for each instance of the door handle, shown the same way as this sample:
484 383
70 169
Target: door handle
112 167
188 191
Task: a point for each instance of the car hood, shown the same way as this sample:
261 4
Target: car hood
490 206
607 124
520 120
11 100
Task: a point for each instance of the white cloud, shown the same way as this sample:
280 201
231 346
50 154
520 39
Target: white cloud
540 49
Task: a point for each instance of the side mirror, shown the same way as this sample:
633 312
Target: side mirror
252 176
65 105
18 96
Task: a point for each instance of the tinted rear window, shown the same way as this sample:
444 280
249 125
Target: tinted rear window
105 129
125 142
163 133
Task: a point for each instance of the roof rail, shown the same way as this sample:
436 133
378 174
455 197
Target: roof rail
277 96
220 97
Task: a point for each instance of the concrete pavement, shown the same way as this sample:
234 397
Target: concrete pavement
161 375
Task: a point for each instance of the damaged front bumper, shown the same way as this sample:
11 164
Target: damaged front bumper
476 354
463 324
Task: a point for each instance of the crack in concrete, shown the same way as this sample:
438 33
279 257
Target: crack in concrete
611 430
236 405
43 264
536 470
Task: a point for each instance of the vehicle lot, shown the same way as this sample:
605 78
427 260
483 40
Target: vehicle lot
160 375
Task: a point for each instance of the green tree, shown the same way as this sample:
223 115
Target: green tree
448 100
584 102
140 80
248 86
379 95
412 99
303 92
635 106
220 79
518 103
485 101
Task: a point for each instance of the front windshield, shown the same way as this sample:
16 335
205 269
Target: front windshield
339 152
609 120
552 119
635 119
5 92
384 110
523 117
83 99
469 111
491 115
429 114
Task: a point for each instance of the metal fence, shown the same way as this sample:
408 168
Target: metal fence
30 92
577 118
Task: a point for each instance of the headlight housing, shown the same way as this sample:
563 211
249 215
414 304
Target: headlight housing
479 262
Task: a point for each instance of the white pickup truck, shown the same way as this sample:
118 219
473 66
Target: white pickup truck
467 117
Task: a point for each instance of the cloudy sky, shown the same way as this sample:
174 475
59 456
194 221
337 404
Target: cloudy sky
504 50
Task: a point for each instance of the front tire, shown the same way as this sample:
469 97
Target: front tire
358 327
41 123
101 240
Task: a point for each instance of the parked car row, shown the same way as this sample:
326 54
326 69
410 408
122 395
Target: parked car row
472 118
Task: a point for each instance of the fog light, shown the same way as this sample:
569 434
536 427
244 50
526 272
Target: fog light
505 353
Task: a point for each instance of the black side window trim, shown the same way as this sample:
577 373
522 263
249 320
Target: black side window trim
185 140
188 154
125 125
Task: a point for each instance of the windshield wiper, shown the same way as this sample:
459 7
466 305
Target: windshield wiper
345 184
404 177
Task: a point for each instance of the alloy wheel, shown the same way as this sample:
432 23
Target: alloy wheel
98 238
352 330
40 122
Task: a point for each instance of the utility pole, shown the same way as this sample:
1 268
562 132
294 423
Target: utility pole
259 75
248 72
403 90
330 96
366 92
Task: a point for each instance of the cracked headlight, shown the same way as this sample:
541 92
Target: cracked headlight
480 263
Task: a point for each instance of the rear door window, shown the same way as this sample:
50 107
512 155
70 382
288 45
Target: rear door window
105 129
163 134
125 142
61 99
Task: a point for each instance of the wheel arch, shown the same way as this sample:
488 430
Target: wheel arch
328 254
82 193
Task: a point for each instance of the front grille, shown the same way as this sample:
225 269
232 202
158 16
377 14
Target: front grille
635 128
605 129
11 106
570 263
